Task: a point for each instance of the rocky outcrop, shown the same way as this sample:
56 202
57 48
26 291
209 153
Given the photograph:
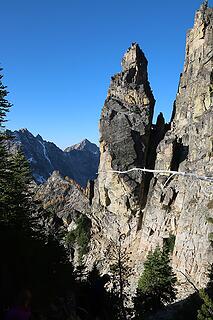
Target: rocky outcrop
63 197
79 162
65 203
150 210
125 128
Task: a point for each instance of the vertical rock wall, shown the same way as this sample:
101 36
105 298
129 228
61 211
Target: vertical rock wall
182 207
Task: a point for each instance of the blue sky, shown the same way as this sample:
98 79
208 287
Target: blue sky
58 57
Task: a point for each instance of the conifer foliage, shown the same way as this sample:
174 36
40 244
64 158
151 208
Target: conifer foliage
29 257
4 104
156 286
14 196
206 311
206 295
4 108
121 271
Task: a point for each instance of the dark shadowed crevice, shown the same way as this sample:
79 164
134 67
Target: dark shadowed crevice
107 199
158 132
174 196
91 186
180 153
139 148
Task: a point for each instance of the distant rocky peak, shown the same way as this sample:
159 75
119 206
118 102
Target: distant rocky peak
38 137
81 145
23 131
56 176
84 145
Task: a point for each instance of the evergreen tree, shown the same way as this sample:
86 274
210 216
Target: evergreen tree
4 104
156 286
206 311
14 191
30 258
121 271
5 170
4 108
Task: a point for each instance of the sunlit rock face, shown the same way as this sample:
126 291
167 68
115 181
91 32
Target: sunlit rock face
150 210
184 205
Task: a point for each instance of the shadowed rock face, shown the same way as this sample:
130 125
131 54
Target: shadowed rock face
125 128
128 139
127 113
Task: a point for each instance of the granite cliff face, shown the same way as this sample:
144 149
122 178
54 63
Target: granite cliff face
184 205
150 209
79 162
125 129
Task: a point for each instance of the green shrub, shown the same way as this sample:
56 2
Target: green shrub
206 310
80 236
158 276
83 235
156 286
70 238
210 236
210 220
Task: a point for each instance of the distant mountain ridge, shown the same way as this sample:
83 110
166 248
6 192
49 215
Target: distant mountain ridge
79 162
84 145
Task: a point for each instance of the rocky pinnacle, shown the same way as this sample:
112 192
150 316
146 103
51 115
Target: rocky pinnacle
125 128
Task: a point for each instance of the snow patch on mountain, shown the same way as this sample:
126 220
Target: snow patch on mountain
45 153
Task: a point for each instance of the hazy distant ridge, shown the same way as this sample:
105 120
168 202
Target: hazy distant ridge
79 162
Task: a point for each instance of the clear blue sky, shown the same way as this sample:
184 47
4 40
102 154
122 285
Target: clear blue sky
58 57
